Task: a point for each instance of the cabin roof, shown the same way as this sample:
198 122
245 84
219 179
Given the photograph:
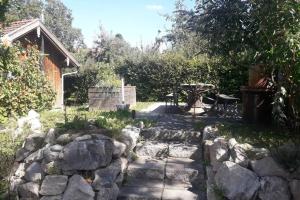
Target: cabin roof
18 29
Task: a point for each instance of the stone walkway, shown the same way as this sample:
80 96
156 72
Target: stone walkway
169 163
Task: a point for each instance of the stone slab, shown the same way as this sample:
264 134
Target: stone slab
142 182
147 168
140 193
179 150
169 194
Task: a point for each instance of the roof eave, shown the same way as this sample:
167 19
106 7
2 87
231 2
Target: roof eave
33 25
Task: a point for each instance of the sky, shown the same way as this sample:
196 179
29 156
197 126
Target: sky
137 20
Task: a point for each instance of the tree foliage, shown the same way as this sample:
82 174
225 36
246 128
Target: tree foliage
250 32
22 84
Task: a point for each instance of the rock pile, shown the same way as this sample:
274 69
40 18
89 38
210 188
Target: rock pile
68 167
241 171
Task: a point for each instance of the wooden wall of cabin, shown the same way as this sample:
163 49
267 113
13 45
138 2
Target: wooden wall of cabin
52 63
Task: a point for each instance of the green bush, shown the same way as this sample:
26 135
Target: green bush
22 84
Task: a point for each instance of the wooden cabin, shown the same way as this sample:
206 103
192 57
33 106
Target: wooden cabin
55 55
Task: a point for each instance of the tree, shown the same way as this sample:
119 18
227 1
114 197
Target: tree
250 32
3 9
58 18
110 48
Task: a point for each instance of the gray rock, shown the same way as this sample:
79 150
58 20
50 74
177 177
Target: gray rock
32 143
29 190
56 197
295 189
206 153
268 167
152 149
258 153
219 152
15 182
84 137
105 177
52 153
64 139
210 132
78 189
35 156
87 155
183 151
50 137
147 168
236 182
53 185
129 136
108 193
274 188
20 171
119 149
231 143
239 155
34 172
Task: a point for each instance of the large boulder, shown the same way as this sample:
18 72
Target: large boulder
236 182
87 154
274 188
34 172
108 193
53 185
152 149
106 177
78 189
29 191
219 152
268 167
295 189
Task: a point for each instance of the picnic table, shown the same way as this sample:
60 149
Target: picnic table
195 93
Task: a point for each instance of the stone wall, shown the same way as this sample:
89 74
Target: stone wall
79 166
106 98
242 171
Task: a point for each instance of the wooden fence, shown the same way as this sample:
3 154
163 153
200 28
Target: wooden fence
107 98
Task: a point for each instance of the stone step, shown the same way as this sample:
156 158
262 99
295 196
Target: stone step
144 182
158 134
180 150
176 194
152 149
140 193
146 168
182 170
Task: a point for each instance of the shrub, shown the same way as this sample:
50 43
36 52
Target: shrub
22 84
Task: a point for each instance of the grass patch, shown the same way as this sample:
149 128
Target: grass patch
8 147
142 105
256 135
